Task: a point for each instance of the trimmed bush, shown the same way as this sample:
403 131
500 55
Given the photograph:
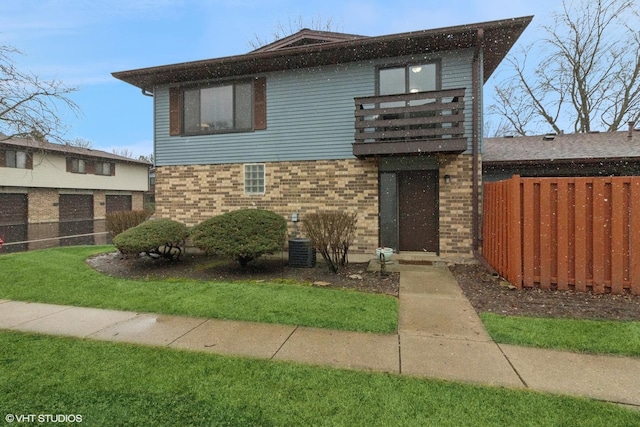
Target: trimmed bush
244 234
332 234
158 237
117 222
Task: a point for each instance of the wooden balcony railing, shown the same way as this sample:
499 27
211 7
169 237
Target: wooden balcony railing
422 122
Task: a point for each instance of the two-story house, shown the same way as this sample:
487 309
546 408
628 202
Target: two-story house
389 127
50 190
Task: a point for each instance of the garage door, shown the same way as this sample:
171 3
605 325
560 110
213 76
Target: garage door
76 217
117 203
13 221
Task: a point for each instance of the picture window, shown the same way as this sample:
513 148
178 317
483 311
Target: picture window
218 109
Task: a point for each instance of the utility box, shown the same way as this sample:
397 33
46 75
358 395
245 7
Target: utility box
302 253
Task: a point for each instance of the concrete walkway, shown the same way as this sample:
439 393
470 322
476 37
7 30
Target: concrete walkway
440 336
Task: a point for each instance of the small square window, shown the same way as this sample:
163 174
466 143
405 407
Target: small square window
16 159
78 166
254 179
103 168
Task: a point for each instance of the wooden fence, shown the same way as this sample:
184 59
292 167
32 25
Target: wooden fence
578 234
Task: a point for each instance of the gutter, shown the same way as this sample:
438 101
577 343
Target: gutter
476 140
475 200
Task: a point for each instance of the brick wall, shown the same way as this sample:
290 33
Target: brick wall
456 211
193 193
99 204
137 201
43 216
43 205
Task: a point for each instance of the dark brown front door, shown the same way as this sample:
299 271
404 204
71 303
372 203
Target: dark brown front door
418 208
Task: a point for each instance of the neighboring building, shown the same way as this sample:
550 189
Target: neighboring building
150 195
50 190
389 127
565 155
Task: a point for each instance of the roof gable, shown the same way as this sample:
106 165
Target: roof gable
307 37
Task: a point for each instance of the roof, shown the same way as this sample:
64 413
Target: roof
34 145
316 48
578 146
307 37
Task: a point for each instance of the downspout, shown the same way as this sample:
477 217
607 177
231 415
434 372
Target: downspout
145 92
475 200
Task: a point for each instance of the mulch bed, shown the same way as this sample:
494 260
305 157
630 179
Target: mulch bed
485 292
492 294
353 276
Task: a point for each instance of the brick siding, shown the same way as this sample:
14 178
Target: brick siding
193 193
456 211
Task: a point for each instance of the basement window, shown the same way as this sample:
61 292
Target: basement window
254 178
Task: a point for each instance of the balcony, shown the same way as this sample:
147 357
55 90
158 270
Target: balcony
414 123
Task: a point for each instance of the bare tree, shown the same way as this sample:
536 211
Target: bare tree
588 77
30 107
80 143
149 158
292 26
123 152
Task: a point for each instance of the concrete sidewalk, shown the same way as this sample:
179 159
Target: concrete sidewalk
439 336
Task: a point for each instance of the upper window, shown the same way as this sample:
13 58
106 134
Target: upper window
254 179
16 159
222 108
217 109
78 166
103 168
408 79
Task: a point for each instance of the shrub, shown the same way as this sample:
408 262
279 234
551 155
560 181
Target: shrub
244 234
117 222
157 237
332 234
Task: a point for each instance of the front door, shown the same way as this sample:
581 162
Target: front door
418 209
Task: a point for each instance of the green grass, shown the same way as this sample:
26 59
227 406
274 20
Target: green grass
588 336
61 276
117 384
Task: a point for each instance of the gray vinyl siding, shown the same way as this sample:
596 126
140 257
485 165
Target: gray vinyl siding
310 116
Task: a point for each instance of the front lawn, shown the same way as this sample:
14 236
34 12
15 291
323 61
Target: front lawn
117 384
578 335
61 276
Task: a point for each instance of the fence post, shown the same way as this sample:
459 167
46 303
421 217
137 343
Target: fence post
634 238
514 242
620 211
564 233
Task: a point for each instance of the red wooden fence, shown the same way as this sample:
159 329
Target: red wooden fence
578 234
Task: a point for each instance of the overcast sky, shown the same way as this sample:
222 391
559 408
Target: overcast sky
83 41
